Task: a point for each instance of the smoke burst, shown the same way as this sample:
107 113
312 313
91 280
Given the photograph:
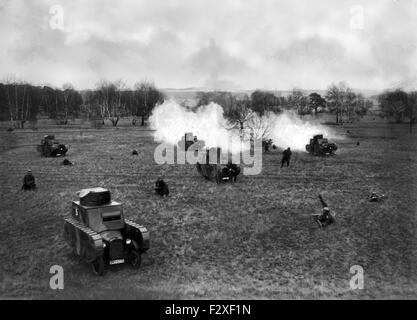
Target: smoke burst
287 129
171 121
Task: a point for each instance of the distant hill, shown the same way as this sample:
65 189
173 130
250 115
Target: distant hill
188 95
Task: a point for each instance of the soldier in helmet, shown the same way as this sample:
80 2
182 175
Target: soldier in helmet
161 188
29 181
286 157
266 144
233 170
325 218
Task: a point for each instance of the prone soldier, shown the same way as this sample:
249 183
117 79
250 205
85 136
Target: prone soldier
66 162
325 218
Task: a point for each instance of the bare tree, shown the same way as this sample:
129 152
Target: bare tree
412 109
67 95
298 101
259 125
335 96
264 101
146 96
109 100
394 104
238 112
18 101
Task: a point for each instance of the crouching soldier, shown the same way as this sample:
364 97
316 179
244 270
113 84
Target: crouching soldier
66 162
161 188
325 218
286 157
233 169
29 181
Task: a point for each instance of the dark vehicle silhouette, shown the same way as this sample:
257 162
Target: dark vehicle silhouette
50 147
217 171
100 234
320 146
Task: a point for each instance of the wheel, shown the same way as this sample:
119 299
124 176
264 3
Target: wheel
98 266
77 242
135 259
218 178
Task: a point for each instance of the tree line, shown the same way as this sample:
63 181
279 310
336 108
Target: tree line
22 102
399 105
340 100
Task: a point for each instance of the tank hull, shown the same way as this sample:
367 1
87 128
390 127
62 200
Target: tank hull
110 247
50 151
87 243
321 147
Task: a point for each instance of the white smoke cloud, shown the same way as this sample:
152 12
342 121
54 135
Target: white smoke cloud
171 121
289 130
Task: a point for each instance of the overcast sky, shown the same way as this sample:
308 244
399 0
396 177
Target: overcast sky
220 44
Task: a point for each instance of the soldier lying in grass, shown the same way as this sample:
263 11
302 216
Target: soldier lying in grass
325 218
375 197
66 162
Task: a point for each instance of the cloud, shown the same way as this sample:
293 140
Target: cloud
312 50
216 63
229 44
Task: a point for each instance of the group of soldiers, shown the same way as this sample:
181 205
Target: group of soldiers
231 170
324 218
161 187
29 178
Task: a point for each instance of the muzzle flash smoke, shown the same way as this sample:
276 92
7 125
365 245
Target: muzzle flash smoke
170 121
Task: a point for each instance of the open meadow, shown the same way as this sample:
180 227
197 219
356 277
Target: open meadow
254 239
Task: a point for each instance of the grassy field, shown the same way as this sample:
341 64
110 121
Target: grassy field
254 239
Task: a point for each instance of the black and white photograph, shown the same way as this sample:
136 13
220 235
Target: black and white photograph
196 150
